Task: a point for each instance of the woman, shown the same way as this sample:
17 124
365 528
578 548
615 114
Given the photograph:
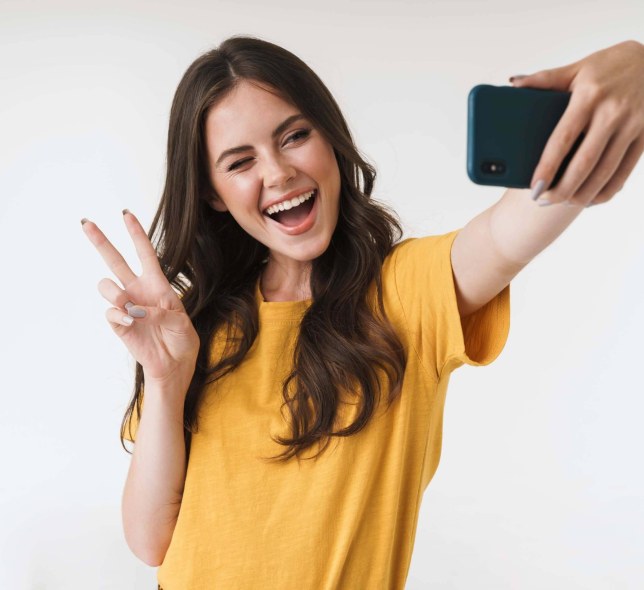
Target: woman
279 284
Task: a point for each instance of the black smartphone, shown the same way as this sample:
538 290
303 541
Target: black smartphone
507 130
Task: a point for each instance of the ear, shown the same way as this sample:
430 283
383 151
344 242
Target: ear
216 203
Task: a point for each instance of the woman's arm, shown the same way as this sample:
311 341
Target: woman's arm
155 480
159 334
608 102
499 242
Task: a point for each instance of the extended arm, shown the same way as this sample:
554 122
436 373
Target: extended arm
608 102
494 246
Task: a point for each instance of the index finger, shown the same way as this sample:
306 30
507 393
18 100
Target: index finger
144 249
563 142
108 252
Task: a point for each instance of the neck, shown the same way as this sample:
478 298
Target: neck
286 282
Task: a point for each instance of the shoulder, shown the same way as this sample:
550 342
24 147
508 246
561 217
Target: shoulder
422 254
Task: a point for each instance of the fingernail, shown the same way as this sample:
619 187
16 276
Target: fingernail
517 77
127 320
126 211
538 189
84 220
128 305
544 202
136 312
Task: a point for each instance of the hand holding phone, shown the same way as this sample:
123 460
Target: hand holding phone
507 132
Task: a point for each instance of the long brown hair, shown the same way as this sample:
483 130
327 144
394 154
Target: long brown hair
214 264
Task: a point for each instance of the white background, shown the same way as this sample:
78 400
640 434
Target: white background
541 482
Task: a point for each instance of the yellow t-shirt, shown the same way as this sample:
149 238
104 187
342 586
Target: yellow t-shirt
348 520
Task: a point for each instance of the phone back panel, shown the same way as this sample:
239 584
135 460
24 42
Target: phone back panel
507 131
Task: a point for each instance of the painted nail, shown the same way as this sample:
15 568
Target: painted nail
127 320
544 202
128 305
538 189
126 211
84 220
517 77
136 312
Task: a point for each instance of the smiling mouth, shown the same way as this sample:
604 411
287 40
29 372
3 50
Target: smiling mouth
295 215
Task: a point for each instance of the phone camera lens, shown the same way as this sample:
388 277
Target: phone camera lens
491 167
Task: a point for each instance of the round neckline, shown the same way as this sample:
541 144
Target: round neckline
279 310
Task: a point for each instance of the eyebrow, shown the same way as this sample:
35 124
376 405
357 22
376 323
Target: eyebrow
242 148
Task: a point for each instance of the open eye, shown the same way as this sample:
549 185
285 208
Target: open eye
299 135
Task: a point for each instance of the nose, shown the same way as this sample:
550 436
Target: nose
277 171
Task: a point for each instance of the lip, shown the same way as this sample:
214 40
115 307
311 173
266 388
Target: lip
306 225
289 196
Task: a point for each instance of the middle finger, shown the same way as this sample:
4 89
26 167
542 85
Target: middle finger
109 253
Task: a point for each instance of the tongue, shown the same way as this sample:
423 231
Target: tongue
294 216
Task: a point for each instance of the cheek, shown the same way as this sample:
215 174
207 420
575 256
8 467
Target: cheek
331 167
323 163
241 190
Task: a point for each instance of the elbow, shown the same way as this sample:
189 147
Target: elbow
148 536
151 560
152 556
150 551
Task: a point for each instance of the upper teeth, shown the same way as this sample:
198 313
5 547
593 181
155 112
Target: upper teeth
289 204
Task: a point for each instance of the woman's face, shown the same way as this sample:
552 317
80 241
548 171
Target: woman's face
262 151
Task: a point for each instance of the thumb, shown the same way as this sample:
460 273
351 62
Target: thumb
174 320
553 79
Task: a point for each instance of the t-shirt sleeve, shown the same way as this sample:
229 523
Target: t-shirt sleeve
425 287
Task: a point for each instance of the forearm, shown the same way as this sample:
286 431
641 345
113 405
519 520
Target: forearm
520 228
155 480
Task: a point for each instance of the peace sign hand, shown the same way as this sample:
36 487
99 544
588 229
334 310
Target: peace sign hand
163 341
